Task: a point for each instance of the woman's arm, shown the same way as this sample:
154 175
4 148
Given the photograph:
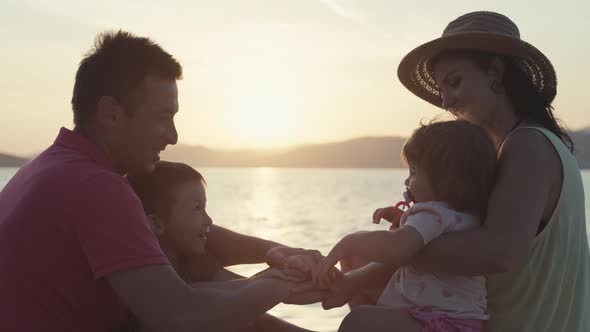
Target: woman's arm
529 169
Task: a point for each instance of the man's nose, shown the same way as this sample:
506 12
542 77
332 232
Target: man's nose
171 135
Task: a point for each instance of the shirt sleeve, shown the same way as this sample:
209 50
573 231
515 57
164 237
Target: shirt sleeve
112 228
428 223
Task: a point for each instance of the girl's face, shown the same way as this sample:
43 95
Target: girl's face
418 186
466 89
186 229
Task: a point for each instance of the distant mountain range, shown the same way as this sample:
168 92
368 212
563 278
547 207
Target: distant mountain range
365 152
7 160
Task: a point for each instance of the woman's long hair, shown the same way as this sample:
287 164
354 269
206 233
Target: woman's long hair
529 103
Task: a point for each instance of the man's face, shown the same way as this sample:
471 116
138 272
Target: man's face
146 130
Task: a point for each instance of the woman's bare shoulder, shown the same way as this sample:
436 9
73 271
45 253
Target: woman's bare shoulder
529 147
528 161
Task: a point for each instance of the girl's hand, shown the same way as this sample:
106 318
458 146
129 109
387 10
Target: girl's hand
295 262
390 213
300 266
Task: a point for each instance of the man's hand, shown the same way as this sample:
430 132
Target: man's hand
390 213
274 273
340 294
306 293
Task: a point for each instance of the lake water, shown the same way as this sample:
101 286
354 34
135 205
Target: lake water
310 208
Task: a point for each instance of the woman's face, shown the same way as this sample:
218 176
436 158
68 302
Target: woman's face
188 223
466 89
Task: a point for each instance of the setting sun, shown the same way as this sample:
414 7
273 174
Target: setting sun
264 115
263 107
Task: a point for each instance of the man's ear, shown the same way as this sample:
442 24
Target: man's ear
108 111
157 225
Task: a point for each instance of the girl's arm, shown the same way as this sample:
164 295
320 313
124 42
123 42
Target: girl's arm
231 281
232 248
528 172
229 248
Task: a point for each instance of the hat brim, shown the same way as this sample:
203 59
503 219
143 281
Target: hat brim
416 73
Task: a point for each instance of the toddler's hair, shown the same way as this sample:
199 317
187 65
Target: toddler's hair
460 161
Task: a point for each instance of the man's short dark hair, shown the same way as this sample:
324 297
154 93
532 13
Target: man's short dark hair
117 66
459 159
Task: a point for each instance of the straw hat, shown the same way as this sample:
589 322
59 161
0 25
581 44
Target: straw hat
477 31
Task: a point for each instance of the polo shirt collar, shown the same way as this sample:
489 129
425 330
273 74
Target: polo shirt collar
76 141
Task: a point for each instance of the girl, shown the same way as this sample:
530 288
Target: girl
174 200
451 174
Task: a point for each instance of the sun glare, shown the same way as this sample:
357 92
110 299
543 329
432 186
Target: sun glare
264 106
264 115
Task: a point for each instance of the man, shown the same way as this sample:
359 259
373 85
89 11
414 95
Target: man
76 252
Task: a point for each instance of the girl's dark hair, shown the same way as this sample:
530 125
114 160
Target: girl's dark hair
529 103
460 161
156 189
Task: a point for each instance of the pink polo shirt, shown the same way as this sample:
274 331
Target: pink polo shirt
66 221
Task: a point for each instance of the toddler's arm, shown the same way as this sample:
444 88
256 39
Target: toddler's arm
388 247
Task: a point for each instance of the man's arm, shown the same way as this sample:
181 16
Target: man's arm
163 302
528 167
232 248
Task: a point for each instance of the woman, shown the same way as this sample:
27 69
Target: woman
533 244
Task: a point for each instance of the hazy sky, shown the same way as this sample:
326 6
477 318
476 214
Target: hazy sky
266 73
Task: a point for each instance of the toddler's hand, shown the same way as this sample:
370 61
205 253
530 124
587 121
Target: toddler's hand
390 213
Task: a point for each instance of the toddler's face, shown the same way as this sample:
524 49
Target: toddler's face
418 186
189 223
